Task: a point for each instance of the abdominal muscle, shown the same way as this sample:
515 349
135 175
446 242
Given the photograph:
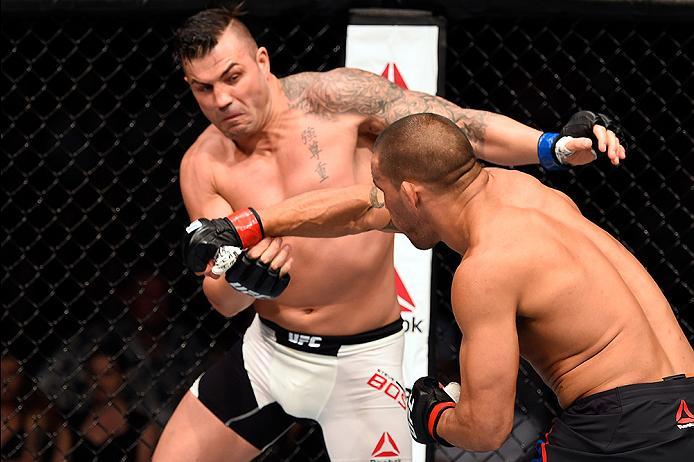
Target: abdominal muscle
339 286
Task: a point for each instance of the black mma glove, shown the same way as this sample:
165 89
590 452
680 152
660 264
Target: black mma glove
553 156
255 278
204 237
424 408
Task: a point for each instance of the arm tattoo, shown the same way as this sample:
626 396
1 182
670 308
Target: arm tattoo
344 90
473 123
374 201
295 87
340 91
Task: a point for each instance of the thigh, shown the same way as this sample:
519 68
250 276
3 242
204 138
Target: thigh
195 433
366 416
221 417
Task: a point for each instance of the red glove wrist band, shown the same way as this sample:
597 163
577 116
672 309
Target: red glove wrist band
248 226
435 415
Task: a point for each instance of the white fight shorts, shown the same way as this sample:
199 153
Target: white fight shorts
350 385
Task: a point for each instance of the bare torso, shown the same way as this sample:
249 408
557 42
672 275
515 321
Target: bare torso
340 285
589 316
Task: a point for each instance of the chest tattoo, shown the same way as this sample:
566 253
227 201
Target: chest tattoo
310 140
320 170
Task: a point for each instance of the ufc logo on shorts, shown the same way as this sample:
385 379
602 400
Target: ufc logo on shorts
390 388
300 339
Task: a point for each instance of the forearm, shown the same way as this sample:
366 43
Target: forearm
459 428
499 139
326 213
223 298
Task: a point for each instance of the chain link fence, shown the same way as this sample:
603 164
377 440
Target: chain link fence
96 118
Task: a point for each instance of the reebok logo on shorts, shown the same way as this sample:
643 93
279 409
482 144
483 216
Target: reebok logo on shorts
686 421
386 450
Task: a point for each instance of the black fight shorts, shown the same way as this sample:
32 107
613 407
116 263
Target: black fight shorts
648 422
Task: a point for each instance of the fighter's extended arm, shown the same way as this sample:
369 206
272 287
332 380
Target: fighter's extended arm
484 305
495 138
331 212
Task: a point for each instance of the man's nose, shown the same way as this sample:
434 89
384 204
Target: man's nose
222 98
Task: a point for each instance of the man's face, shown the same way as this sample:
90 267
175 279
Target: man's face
231 85
106 376
403 213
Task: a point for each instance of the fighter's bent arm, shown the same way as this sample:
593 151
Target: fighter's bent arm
485 308
201 200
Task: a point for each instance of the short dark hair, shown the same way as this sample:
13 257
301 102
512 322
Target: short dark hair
199 34
425 147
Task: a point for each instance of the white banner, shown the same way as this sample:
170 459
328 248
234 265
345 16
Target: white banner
410 51
407 56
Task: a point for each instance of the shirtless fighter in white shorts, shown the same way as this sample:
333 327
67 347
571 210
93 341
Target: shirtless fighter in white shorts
329 347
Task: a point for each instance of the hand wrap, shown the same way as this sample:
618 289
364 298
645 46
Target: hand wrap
425 406
204 237
551 149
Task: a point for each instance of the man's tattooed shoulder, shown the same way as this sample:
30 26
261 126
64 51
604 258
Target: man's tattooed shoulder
340 91
296 87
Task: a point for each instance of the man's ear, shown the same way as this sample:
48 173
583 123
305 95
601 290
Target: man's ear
410 193
263 59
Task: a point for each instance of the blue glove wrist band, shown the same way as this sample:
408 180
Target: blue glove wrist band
545 154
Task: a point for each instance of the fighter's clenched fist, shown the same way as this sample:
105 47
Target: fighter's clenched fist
427 402
204 237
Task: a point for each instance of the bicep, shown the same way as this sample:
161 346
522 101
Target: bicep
200 195
489 357
489 350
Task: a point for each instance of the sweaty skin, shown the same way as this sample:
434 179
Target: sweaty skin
316 132
272 139
539 280
303 152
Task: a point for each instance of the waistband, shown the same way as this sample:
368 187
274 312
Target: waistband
606 400
328 344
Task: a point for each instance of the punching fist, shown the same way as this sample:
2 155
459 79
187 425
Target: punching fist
204 237
425 406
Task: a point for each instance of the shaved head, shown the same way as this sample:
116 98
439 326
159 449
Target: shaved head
425 148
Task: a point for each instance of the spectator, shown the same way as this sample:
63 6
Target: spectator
110 430
25 415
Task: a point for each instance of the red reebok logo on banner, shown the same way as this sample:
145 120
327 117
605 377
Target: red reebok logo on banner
386 447
684 422
404 300
394 76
